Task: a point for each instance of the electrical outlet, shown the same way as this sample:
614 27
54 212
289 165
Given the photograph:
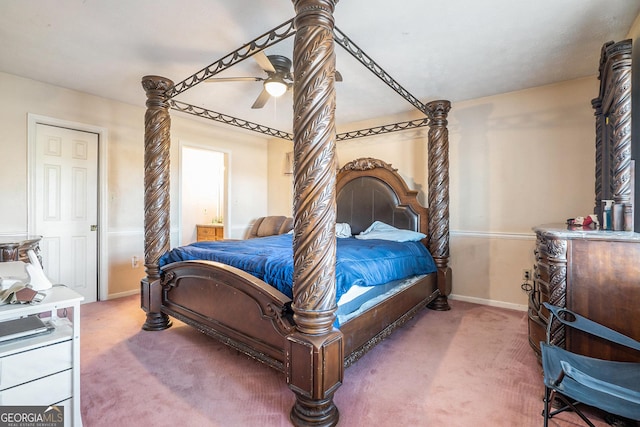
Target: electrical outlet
526 274
134 262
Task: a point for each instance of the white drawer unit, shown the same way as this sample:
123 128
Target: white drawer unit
44 370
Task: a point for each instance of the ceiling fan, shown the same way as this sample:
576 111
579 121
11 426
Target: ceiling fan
279 77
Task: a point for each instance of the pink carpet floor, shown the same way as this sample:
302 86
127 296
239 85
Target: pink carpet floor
471 366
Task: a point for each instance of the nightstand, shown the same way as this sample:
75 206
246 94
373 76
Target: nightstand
209 232
44 369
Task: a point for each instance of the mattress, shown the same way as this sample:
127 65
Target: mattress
360 298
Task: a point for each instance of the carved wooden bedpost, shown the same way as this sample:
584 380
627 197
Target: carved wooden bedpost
439 198
314 352
157 123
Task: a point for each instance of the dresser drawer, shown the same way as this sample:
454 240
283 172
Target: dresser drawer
26 366
542 271
44 391
209 232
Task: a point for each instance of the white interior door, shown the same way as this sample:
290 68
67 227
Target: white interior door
66 206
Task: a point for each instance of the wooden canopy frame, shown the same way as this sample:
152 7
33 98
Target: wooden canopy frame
314 346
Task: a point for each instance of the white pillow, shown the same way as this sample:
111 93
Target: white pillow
380 230
343 230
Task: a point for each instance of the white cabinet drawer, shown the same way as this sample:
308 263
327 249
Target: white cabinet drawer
44 369
45 391
26 366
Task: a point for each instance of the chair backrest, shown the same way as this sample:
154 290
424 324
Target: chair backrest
269 226
579 322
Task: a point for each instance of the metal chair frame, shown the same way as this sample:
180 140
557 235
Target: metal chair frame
582 383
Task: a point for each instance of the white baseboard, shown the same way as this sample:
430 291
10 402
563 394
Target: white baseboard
474 300
123 294
492 303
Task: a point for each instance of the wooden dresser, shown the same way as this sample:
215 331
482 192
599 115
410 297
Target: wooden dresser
209 232
594 273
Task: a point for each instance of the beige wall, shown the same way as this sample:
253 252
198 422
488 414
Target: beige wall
125 127
516 160
280 186
634 32
521 159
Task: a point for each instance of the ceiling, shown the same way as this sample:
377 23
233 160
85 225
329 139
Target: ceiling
455 50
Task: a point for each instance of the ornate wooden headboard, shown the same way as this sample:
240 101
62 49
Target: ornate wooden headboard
371 190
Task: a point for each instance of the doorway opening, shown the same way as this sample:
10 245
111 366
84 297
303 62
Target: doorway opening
203 183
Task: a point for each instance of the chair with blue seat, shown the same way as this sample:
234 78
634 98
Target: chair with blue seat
574 379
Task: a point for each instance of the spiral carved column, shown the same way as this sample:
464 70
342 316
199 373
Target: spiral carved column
157 125
620 118
314 352
555 251
615 175
439 198
600 158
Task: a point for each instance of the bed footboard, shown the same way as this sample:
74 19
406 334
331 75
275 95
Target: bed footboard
230 305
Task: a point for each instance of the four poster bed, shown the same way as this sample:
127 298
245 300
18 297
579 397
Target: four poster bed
304 334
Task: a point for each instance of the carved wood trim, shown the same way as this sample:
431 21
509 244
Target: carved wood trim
389 175
438 166
314 354
554 250
613 170
314 246
367 163
601 161
157 144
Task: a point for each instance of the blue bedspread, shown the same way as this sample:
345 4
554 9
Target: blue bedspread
270 259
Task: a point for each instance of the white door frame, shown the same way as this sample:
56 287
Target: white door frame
103 134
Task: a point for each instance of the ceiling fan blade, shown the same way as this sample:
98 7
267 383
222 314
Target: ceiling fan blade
233 79
262 99
263 62
338 76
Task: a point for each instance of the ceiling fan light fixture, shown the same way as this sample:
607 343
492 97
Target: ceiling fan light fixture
275 87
